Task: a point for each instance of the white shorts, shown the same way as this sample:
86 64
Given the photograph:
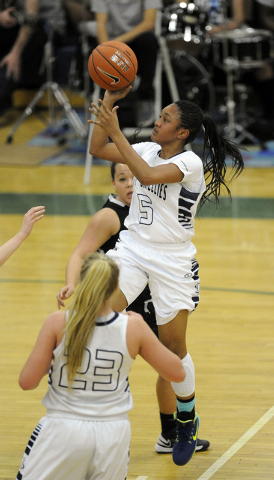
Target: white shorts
65 449
171 271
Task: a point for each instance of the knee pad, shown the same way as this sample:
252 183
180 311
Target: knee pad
187 387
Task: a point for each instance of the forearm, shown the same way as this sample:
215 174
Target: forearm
102 33
10 246
23 38
239 15
140 169
120 151
135 32
30 16
73 270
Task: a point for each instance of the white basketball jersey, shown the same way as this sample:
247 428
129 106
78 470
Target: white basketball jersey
100 390
164 213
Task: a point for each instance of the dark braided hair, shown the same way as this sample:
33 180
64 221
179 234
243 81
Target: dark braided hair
113 169
216 149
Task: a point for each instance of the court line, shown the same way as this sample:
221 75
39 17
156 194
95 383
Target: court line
141 478
213 289
239 444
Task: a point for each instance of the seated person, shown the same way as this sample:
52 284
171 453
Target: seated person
133 23
24 30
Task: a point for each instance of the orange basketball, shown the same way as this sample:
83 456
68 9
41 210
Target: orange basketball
113 65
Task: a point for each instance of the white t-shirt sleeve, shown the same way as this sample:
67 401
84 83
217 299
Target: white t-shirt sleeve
191 166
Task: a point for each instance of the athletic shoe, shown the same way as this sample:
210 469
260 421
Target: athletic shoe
165 443
202 445
186 441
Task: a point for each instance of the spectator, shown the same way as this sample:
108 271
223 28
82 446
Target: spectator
133 23
24 30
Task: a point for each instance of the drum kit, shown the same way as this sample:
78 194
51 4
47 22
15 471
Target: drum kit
187 31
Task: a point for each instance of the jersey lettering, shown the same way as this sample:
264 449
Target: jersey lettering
106 374
77 383
145 209
107 370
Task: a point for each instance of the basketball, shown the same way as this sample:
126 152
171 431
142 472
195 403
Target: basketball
113 65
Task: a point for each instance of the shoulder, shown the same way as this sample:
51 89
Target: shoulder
56 321
188 162
106 216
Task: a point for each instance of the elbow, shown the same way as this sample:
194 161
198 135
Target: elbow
179 374
25 384
145 180
93 151
176 375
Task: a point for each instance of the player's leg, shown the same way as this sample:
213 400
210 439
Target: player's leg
58 448
112 450
132 279
118 301
173 336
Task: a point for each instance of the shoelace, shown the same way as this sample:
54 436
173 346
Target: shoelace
183 432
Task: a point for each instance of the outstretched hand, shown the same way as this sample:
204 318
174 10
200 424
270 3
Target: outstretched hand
105 117
115 95
105 113
30 218
63 294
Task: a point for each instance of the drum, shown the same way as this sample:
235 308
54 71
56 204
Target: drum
193 81
183 26
248 47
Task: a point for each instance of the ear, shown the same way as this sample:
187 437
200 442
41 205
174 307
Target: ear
183 133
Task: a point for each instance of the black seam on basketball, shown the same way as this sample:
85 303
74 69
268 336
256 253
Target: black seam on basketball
96 72
114 65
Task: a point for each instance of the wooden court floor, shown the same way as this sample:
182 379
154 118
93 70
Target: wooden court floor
230 336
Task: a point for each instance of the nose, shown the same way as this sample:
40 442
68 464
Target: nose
157 122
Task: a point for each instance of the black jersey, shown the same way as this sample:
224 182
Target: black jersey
122 211
143 304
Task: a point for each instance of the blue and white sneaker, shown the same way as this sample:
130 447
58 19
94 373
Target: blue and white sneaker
165 443
186 441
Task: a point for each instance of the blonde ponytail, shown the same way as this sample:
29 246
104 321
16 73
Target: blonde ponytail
98 280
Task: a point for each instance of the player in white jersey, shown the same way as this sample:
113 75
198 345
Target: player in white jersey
157 248
88 352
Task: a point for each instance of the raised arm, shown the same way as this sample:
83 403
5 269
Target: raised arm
106 125
101 227
30 218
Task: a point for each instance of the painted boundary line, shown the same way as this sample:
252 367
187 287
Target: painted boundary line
239 444
213 289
